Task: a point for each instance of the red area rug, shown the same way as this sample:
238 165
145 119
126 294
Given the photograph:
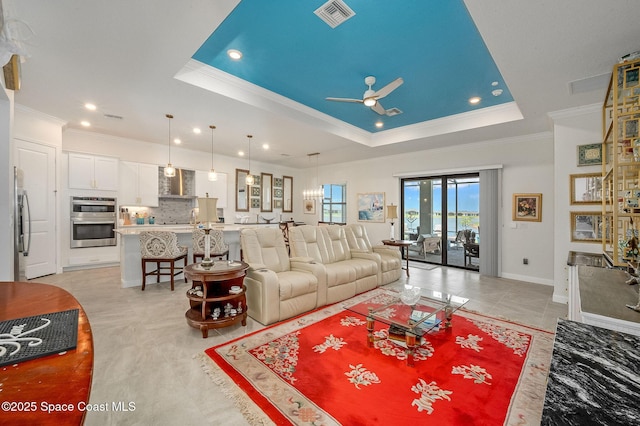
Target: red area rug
318 370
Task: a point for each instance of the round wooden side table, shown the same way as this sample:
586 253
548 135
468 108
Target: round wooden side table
216 306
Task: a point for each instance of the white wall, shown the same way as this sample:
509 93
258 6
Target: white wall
578 126
527 167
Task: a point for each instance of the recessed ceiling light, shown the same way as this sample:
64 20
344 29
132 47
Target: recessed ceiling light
265 146
85 123
379 124
234 54
497 92
90 107
474 100
197 130
241 153
177 141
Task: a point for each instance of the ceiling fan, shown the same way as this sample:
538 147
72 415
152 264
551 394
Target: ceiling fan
371 97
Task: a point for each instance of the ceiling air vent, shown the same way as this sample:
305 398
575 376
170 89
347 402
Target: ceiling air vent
393 111
334 12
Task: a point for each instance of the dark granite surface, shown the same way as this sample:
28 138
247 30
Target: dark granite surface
594 377
584 258
604 292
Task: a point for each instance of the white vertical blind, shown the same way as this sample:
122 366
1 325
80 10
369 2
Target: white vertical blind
490 194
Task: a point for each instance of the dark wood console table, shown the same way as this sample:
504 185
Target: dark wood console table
58 381
216 283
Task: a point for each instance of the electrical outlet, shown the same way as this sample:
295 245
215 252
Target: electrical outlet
525 261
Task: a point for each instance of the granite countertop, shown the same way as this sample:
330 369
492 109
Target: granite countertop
584 258
603 291
593 377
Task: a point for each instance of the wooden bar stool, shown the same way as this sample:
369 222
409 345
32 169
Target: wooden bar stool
161 247
218 247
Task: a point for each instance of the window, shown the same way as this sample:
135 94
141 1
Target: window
334 204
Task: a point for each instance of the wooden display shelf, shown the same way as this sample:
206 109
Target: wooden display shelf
216 283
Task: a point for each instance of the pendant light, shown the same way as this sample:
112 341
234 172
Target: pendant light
313 192
212 176
249 180
169 170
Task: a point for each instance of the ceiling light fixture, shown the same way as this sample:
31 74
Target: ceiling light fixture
379 124
169 170
90 106
177 141
212 176
475 100
369 102
249 180
314 192
197 130
85 123
234 54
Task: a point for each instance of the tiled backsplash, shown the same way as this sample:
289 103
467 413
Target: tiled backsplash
173 210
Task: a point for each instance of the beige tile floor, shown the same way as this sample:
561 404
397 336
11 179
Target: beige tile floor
145 351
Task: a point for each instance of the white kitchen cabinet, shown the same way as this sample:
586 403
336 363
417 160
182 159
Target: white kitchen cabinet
216 189
93 172
138 184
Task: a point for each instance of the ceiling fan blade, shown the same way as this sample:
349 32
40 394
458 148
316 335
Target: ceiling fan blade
388 88
345 100
379 108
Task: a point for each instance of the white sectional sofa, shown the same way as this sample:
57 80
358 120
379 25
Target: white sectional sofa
346 273
388 258
278 287
323 267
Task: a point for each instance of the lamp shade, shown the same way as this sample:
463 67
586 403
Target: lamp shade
208 211
392 212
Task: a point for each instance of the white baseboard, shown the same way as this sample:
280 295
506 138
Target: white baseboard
527 278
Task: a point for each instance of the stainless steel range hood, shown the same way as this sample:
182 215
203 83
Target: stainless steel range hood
182 185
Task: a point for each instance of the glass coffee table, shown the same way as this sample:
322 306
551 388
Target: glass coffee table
410 313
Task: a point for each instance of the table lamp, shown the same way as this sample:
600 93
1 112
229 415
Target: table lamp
392 213
208 212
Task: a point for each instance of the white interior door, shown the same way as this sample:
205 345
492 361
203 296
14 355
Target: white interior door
38 165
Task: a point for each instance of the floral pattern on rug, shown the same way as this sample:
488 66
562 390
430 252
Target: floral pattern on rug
351 322
360 376
519 342
429 393
330 342
475 372
280 355
470 342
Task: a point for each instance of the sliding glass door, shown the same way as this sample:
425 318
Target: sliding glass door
444 224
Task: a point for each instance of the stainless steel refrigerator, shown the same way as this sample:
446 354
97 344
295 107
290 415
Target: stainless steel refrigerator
21 224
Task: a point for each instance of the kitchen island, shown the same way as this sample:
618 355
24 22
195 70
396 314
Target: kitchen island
130 257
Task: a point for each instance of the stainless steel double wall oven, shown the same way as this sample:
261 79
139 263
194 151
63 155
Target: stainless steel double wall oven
93 220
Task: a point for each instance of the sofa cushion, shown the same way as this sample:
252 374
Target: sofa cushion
294 284
265 246
339 274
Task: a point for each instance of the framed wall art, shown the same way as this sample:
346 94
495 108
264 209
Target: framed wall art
371 207
586 188
309 206
527 207
586 227
590 155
